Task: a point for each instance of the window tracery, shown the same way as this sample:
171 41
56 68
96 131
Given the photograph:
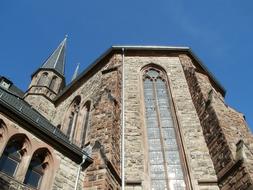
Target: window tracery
72 118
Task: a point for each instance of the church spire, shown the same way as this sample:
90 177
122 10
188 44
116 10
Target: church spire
76 72
49 79
56 60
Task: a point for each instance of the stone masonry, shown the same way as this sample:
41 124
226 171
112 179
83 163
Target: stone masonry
201 170
225 130
215 144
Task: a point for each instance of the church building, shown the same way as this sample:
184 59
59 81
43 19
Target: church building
138 118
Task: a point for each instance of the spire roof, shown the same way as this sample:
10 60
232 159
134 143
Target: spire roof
56 60
76 72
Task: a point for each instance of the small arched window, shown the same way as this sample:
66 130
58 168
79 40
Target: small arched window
165 164
53 83
37 168
11 156
43 79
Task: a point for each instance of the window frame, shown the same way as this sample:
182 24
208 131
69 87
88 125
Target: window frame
178 136
13 142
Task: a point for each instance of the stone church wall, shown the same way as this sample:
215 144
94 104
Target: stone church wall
102 88
42 105
64 170
201 169
226 133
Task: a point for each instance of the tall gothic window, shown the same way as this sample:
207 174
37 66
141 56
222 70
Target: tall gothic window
53 82
85 123
163 150
43 79
72 118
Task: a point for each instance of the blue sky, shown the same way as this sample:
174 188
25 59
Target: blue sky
218 31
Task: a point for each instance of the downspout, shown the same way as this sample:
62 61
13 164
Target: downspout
123 123
79 170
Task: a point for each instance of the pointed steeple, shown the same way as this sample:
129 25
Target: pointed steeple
56 60
76 72
49 79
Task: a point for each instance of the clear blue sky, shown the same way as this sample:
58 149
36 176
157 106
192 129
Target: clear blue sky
218 31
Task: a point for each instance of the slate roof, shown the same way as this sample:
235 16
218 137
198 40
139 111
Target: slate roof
13 88
56 60
38 124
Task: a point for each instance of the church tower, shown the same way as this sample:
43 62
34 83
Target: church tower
48 81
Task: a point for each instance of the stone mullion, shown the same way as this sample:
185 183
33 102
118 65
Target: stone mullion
160 132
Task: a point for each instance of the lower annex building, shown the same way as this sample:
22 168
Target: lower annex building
160 103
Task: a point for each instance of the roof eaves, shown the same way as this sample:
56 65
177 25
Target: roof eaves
136 47
215 80
22 109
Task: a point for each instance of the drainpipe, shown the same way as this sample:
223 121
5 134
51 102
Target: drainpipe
79 170
123 123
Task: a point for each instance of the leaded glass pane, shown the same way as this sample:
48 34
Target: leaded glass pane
153 73
172 157
157 171
166 122
175 172
158 185
170 144
177 184
161 136
156 157
153 133
154 144
169 133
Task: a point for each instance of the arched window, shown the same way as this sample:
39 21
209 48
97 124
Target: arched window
12 156
165 165
72 115
43 79
37 168
85 123
53 83
70 125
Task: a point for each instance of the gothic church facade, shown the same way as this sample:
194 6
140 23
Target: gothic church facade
138 118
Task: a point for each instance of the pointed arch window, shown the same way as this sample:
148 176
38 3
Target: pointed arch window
72 117
85 123
165 166
11 157
43 79
53 83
